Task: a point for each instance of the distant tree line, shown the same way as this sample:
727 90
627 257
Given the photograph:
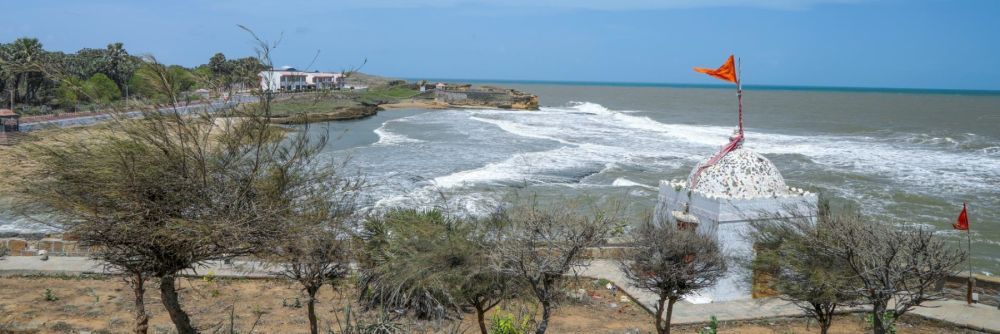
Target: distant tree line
31 76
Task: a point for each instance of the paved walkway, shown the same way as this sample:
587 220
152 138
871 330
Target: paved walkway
979 317
67 265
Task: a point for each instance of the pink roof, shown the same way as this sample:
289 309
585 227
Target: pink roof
7 112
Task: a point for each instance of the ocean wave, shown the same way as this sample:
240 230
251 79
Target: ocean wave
623 182
560 165
386 137
921 161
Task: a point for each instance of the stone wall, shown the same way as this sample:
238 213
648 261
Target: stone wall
52 246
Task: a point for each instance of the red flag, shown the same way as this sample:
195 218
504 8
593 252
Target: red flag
725 72
963 220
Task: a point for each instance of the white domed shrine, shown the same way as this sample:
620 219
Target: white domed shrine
723 194
741 186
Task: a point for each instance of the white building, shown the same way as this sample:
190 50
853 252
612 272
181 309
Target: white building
741 187
325 80
291 79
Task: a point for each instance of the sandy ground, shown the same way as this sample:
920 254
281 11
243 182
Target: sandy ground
104 305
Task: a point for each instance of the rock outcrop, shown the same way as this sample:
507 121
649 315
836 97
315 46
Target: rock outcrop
486 96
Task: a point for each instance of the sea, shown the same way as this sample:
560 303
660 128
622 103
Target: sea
905 157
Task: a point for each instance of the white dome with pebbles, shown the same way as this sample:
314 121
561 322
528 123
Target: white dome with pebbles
741 174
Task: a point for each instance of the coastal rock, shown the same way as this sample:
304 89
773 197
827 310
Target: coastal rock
337 115
487 96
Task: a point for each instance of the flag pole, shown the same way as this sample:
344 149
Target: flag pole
968 235
739 93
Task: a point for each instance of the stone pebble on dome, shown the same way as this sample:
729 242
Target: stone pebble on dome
742 173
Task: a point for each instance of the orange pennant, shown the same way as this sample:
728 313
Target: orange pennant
726 72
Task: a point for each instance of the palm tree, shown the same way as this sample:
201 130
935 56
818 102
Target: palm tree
118 64
21 60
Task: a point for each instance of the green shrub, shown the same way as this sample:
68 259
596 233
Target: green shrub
102 89
50 296
887 318
712 328
66 93
507 323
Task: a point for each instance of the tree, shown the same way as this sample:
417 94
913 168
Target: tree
315 250
671 263
117 64
218 64
168 191
897 266
21 60
102 89
67 93
792 252
313 262
428 263
415 260
540 245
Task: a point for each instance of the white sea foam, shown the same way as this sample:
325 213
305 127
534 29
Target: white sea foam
623 182
386 137
918 162
544 166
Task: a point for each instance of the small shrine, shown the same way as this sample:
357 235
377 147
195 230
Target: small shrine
9 121
723 194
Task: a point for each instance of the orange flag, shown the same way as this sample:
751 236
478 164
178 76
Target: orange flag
963 220
726 72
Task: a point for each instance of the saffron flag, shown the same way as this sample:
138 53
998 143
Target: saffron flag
725 72
963 220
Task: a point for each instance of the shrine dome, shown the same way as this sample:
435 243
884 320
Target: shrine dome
741 174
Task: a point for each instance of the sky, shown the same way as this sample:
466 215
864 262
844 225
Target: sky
933 44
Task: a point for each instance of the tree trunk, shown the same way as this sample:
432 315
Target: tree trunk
827 319
670 313
141 318
481 316
659 314
311 308
168 293
546 313
878 310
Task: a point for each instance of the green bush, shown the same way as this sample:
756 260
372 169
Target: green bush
507 323
67 93
417 261
102 89
50 296
712 328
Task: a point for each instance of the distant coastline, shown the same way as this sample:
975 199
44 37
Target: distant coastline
724 86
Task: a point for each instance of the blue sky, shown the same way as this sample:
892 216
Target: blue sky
853 43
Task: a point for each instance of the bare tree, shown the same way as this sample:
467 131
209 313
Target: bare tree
671 263
791 251
541 245
897 266
315 250
168 191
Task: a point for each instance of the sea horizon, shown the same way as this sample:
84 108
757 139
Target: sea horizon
850 89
